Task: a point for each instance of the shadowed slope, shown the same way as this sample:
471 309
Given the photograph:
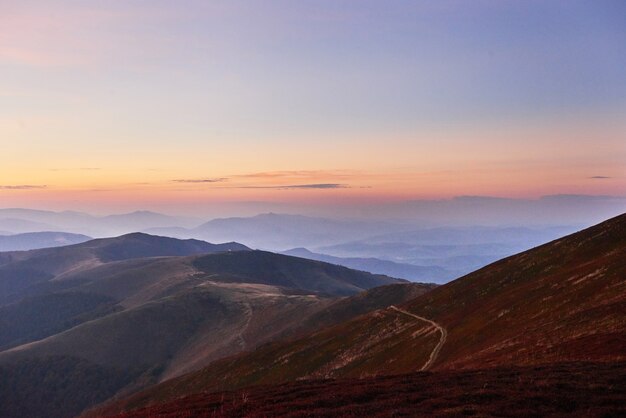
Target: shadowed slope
281 270
162 316
26 273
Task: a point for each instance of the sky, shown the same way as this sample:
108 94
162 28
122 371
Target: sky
185 105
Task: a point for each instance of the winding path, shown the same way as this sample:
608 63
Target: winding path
442 340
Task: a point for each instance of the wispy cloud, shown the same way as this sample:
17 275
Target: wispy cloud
301 186
76 169
600 177
299 174
213 180
22 187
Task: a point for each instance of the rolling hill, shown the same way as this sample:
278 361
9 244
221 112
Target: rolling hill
36 240
141 309
28 273
564 301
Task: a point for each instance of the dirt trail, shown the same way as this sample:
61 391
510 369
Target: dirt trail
442 340
242 341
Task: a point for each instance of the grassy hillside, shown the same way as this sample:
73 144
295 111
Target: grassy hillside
56 387
29 273
563 301
561 390
120 304
35 318
182 333
281 270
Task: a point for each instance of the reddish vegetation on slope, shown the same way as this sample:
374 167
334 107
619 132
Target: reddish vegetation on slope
564 301
565 390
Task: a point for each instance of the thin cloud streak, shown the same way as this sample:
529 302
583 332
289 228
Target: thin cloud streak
300 173
214 180
77 169
22 187
322 186
600 177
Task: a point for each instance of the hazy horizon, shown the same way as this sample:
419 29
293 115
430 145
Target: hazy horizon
583 210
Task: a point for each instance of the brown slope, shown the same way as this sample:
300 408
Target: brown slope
262 327
559 390
561 301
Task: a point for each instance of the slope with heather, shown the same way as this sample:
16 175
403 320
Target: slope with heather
562 301
561 390
162 339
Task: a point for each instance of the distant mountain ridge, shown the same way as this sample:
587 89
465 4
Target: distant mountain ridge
17 220
271 231
429 274
447 251
37 240
438 254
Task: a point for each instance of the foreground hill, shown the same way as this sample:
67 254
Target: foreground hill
135 310
107 360
561 390
562 301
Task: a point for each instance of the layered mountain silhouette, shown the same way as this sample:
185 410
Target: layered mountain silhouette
122 313
281 231
36 240
560 306
411 272
403 249
19 220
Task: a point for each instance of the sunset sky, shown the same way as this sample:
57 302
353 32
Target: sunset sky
172 104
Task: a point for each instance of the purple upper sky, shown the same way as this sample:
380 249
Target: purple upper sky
150 102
